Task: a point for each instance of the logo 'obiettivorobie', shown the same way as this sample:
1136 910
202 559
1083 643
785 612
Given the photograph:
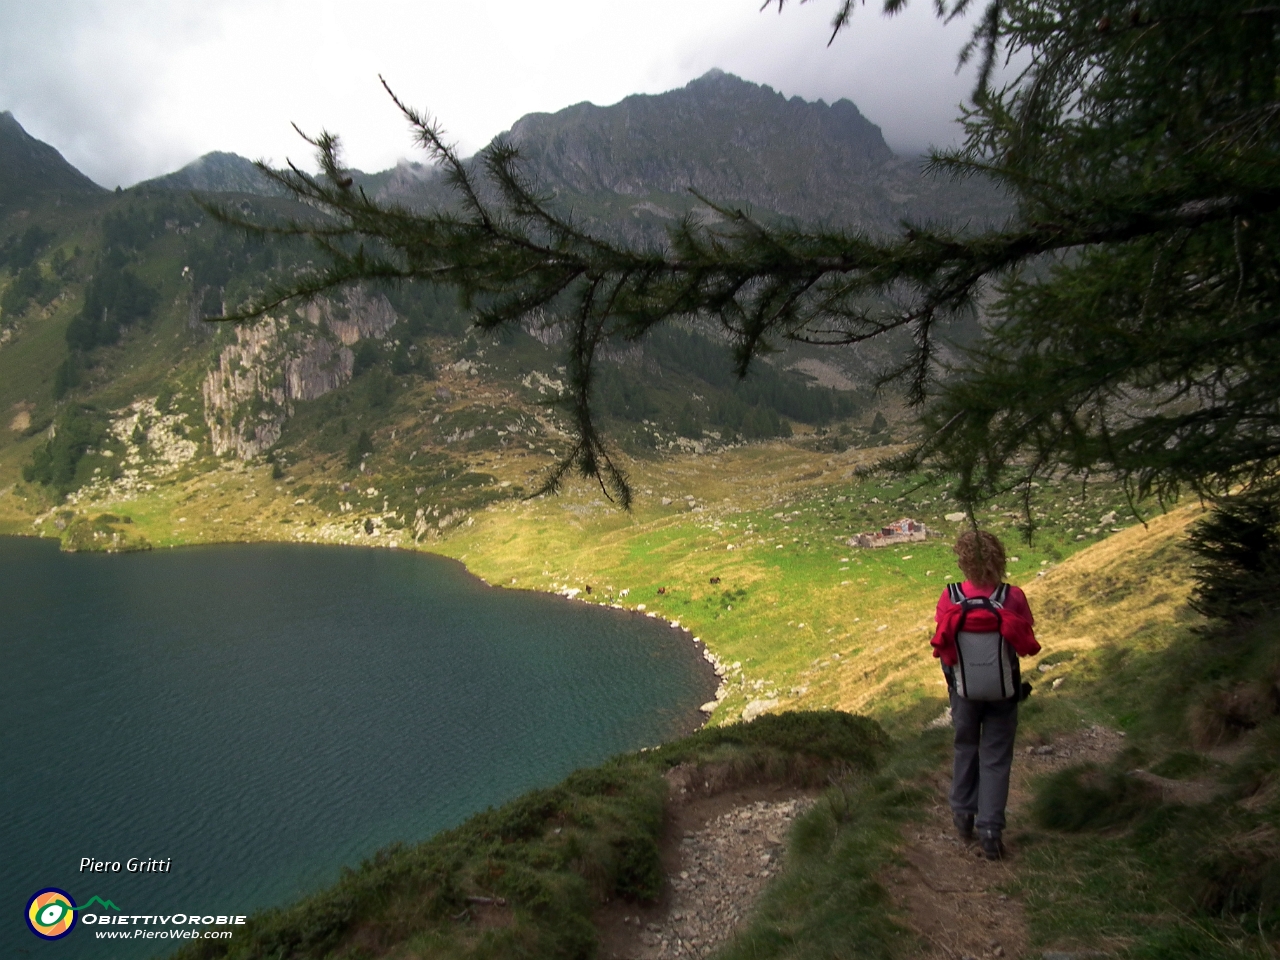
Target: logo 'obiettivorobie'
51 913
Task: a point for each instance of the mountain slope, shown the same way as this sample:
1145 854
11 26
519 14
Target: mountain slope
628 169
217 172
719 135
33 171
737 142
221 172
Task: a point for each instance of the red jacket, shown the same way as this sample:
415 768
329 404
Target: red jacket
1015 622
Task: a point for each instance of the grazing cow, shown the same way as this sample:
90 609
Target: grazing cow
715 579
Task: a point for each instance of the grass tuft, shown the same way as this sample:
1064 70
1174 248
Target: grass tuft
1087 797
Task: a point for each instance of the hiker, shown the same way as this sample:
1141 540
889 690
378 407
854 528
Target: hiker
984 625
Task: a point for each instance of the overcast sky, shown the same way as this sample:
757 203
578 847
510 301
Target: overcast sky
130 89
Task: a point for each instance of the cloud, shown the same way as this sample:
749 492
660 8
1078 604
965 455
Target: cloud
130 91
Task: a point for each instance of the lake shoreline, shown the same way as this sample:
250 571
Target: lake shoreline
709 665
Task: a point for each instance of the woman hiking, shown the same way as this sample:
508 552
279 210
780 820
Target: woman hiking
984 625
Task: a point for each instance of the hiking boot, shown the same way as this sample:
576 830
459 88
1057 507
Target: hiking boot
964 826
992 848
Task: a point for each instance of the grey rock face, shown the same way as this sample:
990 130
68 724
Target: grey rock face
249 393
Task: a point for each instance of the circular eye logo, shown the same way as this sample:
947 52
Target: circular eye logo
51 914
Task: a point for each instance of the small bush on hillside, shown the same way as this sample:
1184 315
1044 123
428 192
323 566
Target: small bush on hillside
29 284
115 299
19 252
1240 874
1237 546
822 734
378 387
366 356
359 449
639 872
1183 765
67 376
1226 711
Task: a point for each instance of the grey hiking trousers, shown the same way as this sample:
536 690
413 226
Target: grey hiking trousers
983 757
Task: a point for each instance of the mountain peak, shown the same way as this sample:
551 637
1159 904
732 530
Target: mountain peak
720 136
218 172
33 171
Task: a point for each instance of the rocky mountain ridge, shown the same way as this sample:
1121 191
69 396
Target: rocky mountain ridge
634 166
728 139
217 172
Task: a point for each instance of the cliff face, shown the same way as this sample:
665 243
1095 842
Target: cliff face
358 317
249 393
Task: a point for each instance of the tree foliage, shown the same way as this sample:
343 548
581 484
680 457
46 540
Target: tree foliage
1238 552
59 463
115 298
1129 301
18 252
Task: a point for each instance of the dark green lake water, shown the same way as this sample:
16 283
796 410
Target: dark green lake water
262 715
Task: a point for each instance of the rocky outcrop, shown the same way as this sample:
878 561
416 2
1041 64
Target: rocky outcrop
244 398
320 367
358 316
249 393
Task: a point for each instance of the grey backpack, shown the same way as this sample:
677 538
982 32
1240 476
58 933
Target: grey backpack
986 667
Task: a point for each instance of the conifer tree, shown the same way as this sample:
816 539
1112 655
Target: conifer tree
1129 302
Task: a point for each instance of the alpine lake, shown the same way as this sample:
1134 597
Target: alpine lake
259 716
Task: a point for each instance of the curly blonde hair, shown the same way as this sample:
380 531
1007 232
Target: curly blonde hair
981 557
